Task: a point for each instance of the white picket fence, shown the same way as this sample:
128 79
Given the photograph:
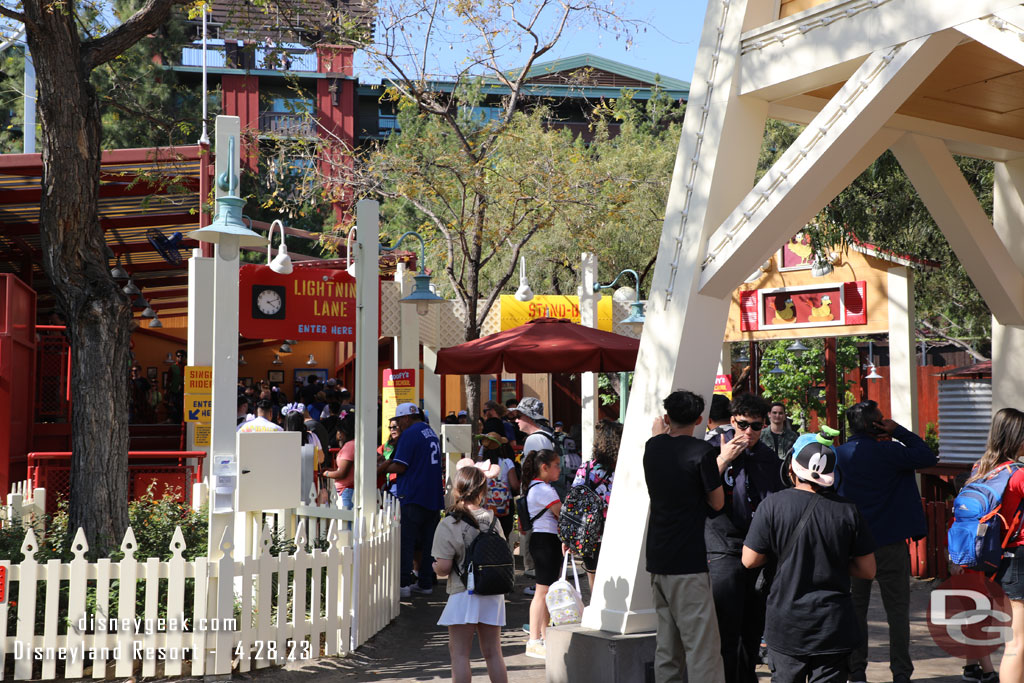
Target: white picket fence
262 610
25 506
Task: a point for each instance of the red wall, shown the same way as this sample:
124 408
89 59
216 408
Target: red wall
17 376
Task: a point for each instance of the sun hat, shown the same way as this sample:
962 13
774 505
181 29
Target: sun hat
490 470
491 440
531 407
814 461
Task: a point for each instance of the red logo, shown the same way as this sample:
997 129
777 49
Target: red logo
969 616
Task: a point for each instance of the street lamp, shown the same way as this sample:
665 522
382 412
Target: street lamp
797 348
524 293
421 294
635 319
282 263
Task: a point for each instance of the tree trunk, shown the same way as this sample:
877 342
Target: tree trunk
96 311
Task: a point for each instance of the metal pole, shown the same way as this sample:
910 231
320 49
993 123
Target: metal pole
367 310
28 135
831 381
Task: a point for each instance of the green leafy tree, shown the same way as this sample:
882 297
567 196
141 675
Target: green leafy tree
801 382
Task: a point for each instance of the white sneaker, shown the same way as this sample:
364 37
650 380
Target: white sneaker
529 590
536 649
405 592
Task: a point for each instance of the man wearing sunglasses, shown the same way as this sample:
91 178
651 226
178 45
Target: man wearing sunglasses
750 472
876 471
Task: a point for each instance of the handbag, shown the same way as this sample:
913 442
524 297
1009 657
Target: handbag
763 583
564 602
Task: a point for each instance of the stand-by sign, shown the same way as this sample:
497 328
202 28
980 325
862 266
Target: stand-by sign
308 303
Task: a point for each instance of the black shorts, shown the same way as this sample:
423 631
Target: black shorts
590 563
546 550
1010 575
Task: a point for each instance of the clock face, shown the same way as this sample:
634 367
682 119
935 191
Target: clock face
268 302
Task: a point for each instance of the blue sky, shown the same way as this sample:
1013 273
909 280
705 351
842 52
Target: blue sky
666 42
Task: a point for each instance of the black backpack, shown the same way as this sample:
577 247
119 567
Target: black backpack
489 568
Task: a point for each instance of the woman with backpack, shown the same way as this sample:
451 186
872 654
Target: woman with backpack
599 473
467 613
540 469
1006 445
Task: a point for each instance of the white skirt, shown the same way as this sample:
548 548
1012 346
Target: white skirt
463 608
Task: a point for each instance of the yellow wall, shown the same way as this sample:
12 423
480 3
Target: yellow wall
790 7
853 266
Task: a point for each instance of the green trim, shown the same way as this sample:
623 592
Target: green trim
545 90
587 59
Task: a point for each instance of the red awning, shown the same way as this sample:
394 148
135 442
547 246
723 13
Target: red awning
541 345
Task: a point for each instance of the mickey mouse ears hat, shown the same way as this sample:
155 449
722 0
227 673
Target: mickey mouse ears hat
814 461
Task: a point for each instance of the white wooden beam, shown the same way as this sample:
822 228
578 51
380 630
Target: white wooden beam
902 348
813 53
963 141
1002 32
716 161
951 202
786 197
1008 208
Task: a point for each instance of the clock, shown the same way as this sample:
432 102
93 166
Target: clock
268 302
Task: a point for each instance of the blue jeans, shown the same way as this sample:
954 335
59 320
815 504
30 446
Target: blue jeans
346 499
418 524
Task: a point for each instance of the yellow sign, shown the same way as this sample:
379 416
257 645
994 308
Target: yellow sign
723 385
198 408
399 386
201 435
199 379
514 312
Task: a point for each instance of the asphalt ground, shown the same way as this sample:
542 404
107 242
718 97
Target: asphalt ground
414 648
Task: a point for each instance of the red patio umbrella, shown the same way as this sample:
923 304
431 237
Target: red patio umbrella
541 345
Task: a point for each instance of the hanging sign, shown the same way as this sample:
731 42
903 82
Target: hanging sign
842 303
307 304
515 312
399 386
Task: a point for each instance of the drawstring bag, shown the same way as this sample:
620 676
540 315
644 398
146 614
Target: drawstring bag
565 604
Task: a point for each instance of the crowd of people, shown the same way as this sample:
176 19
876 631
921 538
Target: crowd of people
762 544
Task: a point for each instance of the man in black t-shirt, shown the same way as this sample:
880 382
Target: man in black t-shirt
750 473
682 481
811 626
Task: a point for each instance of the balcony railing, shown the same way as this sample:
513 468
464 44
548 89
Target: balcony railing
288 124
276 60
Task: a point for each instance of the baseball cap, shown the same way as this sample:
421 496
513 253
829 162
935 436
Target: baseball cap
332 382
463 413
558 423
491 440
814 461
531 407
404 409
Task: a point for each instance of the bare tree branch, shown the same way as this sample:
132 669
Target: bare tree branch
146 20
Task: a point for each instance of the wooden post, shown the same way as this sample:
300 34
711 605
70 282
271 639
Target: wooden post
831 382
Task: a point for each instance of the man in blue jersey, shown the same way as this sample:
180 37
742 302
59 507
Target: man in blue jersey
420 490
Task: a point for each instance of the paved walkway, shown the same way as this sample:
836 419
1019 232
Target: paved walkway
414 648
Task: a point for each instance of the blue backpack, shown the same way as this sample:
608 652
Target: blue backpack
980 531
